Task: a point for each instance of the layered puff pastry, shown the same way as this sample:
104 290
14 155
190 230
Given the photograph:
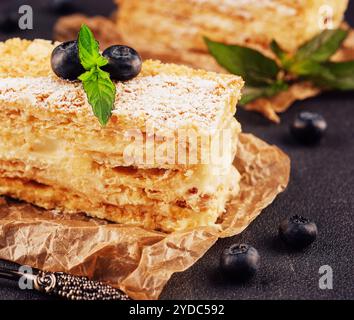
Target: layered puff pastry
55 154
173 30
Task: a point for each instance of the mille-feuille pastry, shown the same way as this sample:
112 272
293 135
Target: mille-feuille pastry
55 154
173 30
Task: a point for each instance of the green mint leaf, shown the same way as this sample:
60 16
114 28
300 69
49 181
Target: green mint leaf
101 92
334 75
306 68
86 76
89 52
255 68
283 56
279 52
253 93
321 47
99 88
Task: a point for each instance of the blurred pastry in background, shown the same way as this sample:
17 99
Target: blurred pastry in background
173 30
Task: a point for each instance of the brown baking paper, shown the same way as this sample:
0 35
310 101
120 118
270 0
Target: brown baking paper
138 261
106 32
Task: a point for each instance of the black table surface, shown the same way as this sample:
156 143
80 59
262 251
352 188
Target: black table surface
321 188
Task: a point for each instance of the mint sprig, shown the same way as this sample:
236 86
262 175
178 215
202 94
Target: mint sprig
253 93
322 47
266 77
335 76
99 88
251 65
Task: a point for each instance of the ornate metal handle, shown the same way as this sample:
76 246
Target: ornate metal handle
67 286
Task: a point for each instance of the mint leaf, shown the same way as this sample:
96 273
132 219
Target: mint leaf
264 78
100 91
253 93
284 58
321 47
99 88
334 75
328 75
306 68
255 68
279 52
89 52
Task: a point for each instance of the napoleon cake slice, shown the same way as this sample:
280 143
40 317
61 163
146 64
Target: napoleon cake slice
55 154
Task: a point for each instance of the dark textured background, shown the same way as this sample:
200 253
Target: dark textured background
321 188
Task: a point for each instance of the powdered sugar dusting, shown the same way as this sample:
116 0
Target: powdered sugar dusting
168 101
171 101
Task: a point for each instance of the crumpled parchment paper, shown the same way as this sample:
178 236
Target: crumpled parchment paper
138 261
106 32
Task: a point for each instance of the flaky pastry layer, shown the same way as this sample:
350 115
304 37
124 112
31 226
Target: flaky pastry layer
156 215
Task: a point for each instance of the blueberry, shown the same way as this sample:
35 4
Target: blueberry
63 6
124 63
9 21
65 61
240 261
308 127
298 232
